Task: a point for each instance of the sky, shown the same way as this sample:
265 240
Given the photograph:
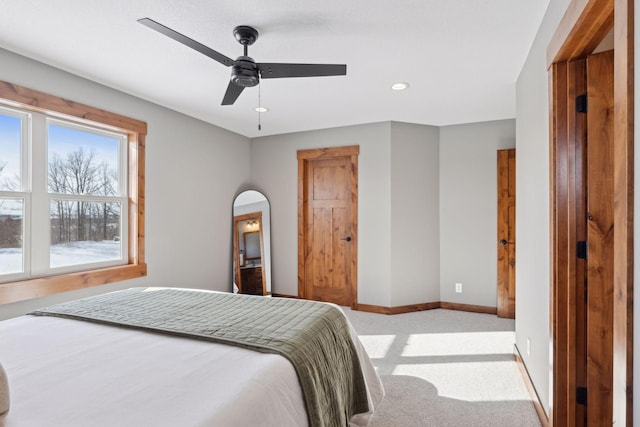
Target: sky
9 146
61 141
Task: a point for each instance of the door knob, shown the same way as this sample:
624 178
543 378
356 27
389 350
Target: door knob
348 238
503 242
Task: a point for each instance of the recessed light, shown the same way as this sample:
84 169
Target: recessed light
262 109
399 86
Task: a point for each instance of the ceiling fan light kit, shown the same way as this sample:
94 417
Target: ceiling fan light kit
245 72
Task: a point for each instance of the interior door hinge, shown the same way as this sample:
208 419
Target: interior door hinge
582 249
581 396
581 103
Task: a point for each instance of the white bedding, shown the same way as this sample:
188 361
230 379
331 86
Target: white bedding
73 373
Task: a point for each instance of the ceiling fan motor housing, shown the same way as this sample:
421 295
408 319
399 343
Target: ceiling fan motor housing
245 72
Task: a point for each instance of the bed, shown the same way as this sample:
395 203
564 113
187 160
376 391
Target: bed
192 358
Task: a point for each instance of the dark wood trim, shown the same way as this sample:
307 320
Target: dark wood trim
542 415
12 95
378 309
468 307
560 384
397 310
34 100
137 199
353 219
275 295
582 28
584 25
412 308
302 207
41 287
329 152
623 164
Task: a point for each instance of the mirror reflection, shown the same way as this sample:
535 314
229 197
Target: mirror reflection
251 244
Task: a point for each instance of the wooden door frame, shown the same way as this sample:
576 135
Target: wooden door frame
581 29
351 151
257 216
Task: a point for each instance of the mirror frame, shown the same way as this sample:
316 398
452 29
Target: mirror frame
258 216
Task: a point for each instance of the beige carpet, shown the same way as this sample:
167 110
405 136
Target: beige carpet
445 368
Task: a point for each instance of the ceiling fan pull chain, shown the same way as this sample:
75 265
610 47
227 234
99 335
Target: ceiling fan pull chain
259 109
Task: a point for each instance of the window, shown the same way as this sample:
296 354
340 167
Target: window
86 183
71 195
13 131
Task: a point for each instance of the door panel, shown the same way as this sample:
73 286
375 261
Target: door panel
600 238
506 233
328 235
577 160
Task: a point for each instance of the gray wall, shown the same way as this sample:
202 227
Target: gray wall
532 205
275 170
468 209
188 214
415 251
416 184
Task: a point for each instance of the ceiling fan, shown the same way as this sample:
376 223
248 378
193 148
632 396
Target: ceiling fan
245 72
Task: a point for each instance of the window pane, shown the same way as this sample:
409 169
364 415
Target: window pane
82 162
84 232
10 139
11 237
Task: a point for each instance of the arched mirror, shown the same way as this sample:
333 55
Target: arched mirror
251 244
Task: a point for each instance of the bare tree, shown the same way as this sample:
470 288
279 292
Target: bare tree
79 173
10 225
107 179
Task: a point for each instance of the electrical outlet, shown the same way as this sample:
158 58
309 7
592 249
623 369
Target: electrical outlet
458 288
528 346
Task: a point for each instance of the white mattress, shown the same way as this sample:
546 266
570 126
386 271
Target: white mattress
73 373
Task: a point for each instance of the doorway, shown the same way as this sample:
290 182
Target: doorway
248 252
592 216
327 224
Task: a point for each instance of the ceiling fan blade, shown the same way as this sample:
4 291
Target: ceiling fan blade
224 60
276 71
232 93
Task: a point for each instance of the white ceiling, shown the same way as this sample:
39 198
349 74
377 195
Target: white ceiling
460 57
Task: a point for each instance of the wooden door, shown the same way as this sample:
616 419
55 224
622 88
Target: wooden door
599 218
327 261
507 233
583 26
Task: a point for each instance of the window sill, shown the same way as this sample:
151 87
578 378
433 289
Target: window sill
43 286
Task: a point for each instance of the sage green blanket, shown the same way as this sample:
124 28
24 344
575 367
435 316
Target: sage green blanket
314 337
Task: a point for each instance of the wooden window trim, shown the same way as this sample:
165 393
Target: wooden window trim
13 95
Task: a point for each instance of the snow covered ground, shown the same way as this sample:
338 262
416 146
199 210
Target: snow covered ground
64 254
